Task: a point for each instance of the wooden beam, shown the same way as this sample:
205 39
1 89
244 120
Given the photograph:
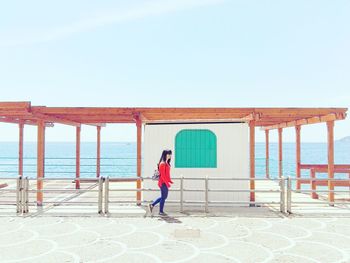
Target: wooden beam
60 120
325 182
280 153
102 121
77 157
20 150
313 120
336 170
18 105
24 121
167 120
98 154
252 159
298 155
40 162
267 158
99 120
324 166
330 141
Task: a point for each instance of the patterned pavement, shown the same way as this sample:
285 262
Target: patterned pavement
180 239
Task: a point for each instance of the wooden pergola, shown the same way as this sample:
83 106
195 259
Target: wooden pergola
23 113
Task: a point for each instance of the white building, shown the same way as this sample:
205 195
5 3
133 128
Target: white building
216 150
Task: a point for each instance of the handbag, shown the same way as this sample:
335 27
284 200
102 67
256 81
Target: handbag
156 174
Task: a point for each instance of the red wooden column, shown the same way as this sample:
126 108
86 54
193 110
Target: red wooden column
280 150
252 159
40 161
20 150
139 137
298 159
330 128
98 154
267 149
77 158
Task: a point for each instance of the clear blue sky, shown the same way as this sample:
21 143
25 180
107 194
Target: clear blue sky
175 53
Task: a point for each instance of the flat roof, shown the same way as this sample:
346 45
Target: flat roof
267 118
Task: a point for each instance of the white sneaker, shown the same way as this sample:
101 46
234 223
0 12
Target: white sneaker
150 208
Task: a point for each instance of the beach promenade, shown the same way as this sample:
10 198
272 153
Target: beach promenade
68 233
263 237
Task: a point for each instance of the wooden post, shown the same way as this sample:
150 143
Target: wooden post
40 161
20 150
139 137
98 155
267 164
330 129
77 158
280 150
252 159
298 158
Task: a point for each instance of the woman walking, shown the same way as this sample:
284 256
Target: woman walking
164 181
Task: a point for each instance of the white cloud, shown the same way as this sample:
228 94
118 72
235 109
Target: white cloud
107 17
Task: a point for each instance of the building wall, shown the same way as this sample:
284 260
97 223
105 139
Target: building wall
232 160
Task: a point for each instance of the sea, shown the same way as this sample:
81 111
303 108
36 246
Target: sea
118 159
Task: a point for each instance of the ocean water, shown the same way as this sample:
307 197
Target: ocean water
118 159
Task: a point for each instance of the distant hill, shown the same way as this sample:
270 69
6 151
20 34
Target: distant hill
345 139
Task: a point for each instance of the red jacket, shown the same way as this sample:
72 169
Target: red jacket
164 171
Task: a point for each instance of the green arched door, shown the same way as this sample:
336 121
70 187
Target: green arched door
195 148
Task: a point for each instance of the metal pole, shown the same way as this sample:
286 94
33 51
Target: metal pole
106 195
23 195
181 194
282 197
289 195
206 194
100 192
26 195
18 194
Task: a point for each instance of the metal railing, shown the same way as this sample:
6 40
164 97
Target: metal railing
26 192
24 189
290 191
100 193
206 202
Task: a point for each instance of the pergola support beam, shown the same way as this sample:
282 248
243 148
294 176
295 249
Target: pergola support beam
312 120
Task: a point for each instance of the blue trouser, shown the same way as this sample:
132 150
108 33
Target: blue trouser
161 199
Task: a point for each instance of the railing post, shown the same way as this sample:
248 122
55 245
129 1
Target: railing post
182 194
107 195
26 195
206 194
100 192
23 195
282 197
289 195
19 195
314 195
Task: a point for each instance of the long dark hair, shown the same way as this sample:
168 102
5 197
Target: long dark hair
163 157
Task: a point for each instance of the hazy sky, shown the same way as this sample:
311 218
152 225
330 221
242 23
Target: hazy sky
175 53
